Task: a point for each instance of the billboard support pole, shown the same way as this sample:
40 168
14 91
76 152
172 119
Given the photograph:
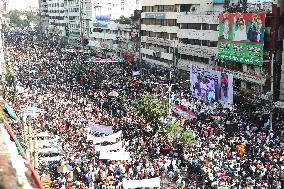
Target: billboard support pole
271 76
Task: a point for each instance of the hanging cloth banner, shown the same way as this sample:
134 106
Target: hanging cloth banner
116 146
110 138
149 183
117 156
189 115
97 128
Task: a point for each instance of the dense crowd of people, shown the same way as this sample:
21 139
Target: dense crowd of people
72 91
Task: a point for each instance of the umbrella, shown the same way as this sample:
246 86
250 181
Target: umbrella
113 94
64 169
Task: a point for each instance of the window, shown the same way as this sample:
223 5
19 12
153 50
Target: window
194 26
213 44
214 27
137 2
205 42
183 26
205 26
152 34
173 36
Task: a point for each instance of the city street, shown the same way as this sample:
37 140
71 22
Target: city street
71 97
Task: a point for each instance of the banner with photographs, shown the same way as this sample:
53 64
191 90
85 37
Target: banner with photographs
211 85
205 83
241 37
226 89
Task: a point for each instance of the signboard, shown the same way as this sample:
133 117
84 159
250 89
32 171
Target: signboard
241 37
155 15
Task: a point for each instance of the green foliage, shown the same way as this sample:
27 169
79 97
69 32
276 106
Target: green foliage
9 75
151 108
1 118
173 129
15 18
187 137
124 20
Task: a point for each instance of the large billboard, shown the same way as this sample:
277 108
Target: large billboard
241 37
210 85
205 83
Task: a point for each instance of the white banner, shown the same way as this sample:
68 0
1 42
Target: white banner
110 138
150 183
107 148
117 156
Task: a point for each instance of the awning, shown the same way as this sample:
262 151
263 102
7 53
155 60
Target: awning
10 111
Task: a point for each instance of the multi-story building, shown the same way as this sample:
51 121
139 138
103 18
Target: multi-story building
43 10
56 17
257 68
184 32
179 32
114 9
111 39
78 14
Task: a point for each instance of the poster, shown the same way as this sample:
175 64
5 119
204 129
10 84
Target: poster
205 83
97 128
226 89
241 37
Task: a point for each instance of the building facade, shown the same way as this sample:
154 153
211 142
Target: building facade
179 33
43 11
185 32
113 40
78 14
114 9
56 17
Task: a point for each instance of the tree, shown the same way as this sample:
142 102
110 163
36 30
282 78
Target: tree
187 137
151 108
173 129
124 20
14 16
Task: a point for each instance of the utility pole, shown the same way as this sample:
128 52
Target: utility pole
170 90
81 23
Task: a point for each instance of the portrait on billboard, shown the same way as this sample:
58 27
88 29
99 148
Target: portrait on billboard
205 83
256 30
241 37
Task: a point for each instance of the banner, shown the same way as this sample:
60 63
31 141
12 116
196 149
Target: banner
110 138
149 183
116 146
97 128
241 37
185 114
205 83
117 156
227 91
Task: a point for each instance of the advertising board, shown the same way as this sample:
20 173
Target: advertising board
241 37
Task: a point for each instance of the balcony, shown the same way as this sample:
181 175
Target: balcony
196 50
167 56
198 34
158 41
185 64
192 18
100 35
155 28
159 15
